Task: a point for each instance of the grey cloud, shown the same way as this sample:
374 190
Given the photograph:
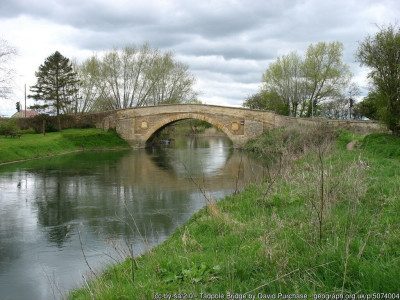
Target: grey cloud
95 15
211 20
228 50
229 42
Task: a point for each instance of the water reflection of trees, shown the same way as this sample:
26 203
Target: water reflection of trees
110 191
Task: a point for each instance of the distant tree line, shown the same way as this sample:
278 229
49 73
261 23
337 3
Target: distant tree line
124 78
300 86
132 77
320 84
316 84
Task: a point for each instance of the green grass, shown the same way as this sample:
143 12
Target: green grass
36 145
384 145
285 235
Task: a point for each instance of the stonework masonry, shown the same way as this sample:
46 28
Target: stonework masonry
136 125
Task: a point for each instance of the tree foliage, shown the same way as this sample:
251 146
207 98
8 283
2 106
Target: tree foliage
334 109
90 86
285 79
56 84
341 107
266 100
327 77
368 107
381 53
300 83
7 53
132 77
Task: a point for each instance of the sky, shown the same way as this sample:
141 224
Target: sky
227 44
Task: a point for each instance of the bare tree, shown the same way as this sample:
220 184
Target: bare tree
174 84
140 77
90 89
7 53
340 107
334 109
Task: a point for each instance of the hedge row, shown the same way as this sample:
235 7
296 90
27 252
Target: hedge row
66 121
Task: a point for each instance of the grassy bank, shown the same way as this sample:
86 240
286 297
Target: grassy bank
325 220
37 145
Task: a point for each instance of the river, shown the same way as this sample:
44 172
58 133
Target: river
56 211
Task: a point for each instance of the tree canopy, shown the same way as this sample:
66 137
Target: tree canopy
294 84
381 53
132 76
56 83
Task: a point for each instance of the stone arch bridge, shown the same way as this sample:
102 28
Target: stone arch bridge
137 125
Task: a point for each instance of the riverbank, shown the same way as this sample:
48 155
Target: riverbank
325 220
32 146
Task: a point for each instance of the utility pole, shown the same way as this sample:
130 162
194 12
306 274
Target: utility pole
312 109
351 103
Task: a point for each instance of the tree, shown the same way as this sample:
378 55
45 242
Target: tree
381 53
300 83
90 86
7 53
267 100
173 82
131 77
334 109
285 78
142 76
369 106
340 107
327 77
256 101
56 84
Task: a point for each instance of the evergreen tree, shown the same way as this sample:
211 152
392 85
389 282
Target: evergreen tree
56 84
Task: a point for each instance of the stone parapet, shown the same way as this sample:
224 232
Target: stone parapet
137 125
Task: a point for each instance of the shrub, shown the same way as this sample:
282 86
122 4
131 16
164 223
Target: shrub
8 125
384 144
292 141
27 131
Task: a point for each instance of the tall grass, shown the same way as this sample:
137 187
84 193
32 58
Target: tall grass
325 220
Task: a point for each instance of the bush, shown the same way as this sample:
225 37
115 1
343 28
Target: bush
383 144
292 141
27 131
66 121
8 125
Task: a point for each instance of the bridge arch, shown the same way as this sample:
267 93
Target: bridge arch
184 116
137 125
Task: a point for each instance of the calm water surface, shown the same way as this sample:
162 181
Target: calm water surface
52 209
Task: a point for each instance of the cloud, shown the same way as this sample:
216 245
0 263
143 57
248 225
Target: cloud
227 44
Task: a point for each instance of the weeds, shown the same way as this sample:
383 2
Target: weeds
325 220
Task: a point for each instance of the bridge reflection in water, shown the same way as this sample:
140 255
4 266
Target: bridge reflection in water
47 205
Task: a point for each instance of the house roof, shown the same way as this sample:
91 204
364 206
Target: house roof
21 114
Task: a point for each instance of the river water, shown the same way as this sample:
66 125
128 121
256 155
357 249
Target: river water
54 212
